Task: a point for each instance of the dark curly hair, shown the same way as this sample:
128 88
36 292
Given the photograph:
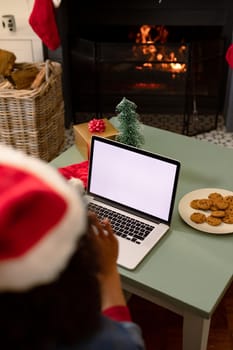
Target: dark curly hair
63 312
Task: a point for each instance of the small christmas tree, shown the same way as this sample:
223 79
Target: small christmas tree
130 127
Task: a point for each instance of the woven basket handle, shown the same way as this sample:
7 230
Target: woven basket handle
48 69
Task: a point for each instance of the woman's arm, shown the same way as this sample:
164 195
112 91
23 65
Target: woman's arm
106 245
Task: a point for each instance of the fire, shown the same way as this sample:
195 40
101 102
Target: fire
144 35
178 67
151 48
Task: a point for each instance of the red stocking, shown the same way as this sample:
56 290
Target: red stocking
43 22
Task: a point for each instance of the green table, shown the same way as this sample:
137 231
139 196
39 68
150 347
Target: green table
188 271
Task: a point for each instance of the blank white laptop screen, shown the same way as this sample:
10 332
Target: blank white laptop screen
137 179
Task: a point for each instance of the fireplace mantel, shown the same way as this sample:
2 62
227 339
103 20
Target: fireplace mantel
171 12
71 15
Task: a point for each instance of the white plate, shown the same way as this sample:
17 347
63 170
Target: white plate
185 211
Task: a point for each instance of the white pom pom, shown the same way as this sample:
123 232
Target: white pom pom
78 184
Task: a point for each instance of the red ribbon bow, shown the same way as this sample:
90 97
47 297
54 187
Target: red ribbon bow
96 125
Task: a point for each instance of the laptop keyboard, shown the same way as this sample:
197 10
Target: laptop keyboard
124 226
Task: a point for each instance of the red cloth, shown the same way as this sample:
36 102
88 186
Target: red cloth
229 56
79 171
118 313
43 22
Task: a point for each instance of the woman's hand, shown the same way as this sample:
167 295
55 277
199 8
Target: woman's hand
105 243
106 246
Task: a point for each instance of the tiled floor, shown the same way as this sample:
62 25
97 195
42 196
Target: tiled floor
219 136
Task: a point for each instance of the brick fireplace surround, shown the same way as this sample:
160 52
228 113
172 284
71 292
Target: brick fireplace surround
73 14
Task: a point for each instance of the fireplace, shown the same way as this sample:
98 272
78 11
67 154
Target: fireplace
150 75
97 69
176 76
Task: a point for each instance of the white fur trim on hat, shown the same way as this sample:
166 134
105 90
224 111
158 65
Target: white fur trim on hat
43 262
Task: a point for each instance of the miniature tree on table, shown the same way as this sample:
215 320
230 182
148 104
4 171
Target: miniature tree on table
130 126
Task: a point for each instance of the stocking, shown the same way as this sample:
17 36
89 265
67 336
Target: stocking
43 22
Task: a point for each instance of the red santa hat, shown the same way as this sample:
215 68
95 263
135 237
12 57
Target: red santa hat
42 218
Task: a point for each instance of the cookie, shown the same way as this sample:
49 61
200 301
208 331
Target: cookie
205 203
198 218
229 210
215 195
229 199
228 219
213 221
213 207
194 204
218 213
221 203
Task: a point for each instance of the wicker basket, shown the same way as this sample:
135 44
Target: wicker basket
33 120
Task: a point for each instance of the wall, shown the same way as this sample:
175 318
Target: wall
24 42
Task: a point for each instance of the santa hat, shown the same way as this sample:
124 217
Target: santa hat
42 218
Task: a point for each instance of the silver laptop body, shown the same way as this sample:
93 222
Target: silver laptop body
137 190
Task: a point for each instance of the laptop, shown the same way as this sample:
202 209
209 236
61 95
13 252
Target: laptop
136 190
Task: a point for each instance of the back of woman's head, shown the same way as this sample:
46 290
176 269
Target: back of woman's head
48 287
65 311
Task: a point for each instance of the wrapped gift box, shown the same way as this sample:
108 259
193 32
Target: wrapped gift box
83 136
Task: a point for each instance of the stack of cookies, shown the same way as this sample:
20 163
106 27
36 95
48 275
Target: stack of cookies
214 210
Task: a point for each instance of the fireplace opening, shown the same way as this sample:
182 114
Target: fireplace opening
163 69
89 29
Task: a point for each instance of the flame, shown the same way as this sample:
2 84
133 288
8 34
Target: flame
153 50
144 35
178 67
